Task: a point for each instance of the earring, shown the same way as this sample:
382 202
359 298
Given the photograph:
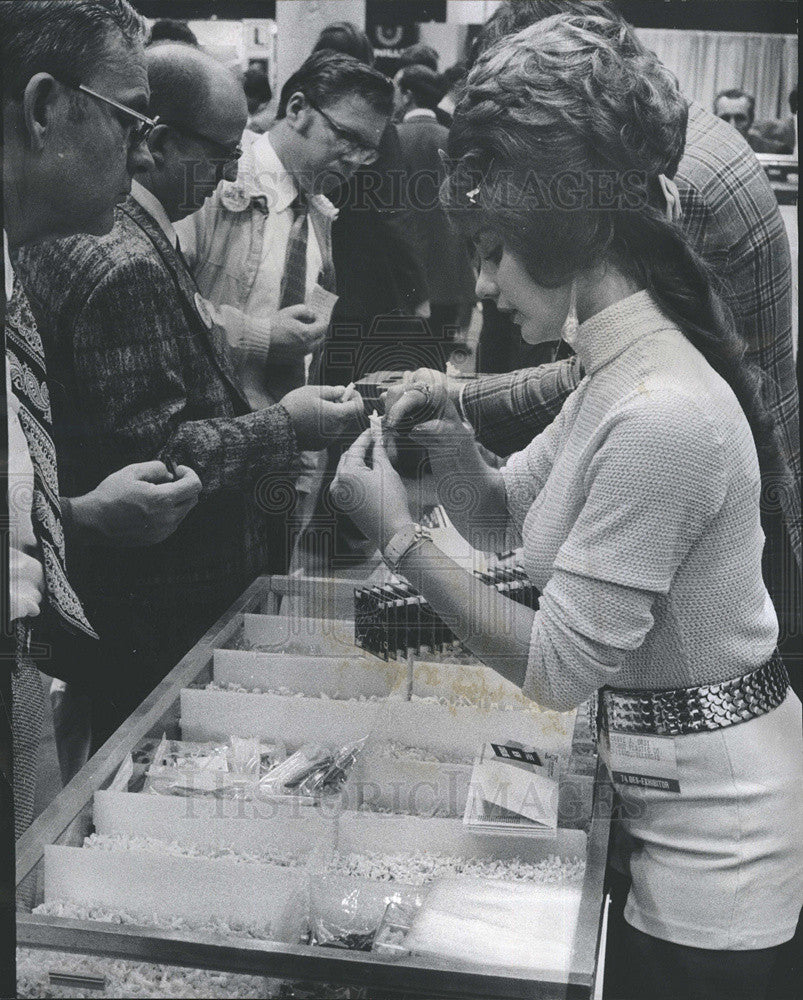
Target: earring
571 323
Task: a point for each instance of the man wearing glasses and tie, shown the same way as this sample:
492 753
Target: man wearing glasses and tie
74 95
140 373
262 242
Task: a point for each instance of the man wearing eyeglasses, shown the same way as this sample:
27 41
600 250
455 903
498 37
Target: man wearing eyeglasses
141 372
245 243
69 154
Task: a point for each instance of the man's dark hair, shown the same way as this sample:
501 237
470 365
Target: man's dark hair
257 85
327 76
348 39
423 83
419 54
66 38
735 94
513 15
168 29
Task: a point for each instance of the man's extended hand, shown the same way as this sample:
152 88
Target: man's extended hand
140 504
401 405
319 418
295 331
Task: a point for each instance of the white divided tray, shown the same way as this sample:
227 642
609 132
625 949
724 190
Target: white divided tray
359 673
386 784
211 862
334 676
493 924
296 634
207 822
359 903
214 715
416 787
480 685
359 831
198 889
218 715
463 728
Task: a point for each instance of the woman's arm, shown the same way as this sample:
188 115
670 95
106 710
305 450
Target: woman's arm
557 655
496 629
553 660
651 489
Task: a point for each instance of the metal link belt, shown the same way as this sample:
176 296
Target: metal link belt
679 711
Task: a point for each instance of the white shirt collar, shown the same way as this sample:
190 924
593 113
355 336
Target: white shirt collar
420 113
7 269
448 104
151 204
270 176
262 178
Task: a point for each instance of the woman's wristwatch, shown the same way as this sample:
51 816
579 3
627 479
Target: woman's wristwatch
400 544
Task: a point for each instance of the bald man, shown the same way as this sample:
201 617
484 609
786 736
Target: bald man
141 377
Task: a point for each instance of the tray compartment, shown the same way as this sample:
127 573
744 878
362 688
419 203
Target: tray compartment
198 889
332 676
244 826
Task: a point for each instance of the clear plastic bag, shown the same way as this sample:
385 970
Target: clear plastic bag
348 912
391 935
314 771
223 770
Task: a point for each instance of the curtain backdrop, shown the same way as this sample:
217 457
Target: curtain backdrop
706 62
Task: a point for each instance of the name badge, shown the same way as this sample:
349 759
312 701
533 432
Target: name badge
643 761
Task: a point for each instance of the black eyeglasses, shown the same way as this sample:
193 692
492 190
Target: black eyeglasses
227 153
140 125
353 141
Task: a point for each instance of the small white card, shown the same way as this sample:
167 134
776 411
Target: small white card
513 788
643 761
321 302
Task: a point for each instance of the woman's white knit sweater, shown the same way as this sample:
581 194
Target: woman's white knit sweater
639 513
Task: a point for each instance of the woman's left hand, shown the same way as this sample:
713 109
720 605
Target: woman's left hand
373 496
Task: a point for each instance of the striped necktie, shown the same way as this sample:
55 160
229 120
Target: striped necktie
26 359
294 279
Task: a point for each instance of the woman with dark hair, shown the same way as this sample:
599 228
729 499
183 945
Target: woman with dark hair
638 508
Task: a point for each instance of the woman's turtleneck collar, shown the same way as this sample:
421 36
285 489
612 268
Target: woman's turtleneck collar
603 336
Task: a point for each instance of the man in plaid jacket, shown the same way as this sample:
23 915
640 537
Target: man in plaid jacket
139 375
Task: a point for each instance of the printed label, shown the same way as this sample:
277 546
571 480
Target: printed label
516 753
643 761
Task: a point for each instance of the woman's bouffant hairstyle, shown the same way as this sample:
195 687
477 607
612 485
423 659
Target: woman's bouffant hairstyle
557 146
513 15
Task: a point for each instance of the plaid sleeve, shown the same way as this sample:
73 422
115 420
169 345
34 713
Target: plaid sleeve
731 216
508 410
135 397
